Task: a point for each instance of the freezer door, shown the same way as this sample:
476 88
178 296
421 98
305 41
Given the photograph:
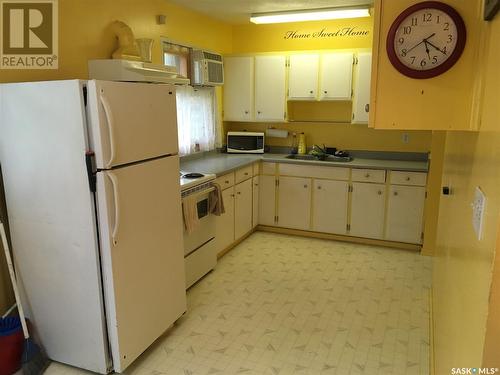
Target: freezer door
141 231
130 122
52 219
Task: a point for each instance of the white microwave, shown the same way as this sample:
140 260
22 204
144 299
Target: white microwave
245 142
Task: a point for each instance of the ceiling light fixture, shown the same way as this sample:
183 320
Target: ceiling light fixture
309 15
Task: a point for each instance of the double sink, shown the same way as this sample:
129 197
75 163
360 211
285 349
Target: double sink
330 158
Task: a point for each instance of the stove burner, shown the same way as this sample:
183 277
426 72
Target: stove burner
193 175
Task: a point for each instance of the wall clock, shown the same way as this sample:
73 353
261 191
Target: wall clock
426 39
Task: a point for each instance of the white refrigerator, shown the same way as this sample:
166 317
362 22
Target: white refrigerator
91 172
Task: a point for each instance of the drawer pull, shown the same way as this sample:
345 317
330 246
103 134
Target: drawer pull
239 192
395 193
305 186
408 178
379 192
246 173
367 175
232 195
319 187
226 182
256 184
246 112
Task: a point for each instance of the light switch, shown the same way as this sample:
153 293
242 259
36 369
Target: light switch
478 206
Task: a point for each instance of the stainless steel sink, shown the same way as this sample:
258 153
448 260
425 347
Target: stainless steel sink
330 158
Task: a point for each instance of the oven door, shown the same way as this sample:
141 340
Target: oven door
205 231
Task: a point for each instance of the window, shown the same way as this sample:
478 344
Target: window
179 56
196 119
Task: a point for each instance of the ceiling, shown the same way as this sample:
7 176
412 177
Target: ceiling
238 11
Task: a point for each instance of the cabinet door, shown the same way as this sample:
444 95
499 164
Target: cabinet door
238 88
294 202
367 210
224 234
329 208
255 201
270 88
405 213
303 77
336 76
242 209
361 99
267 200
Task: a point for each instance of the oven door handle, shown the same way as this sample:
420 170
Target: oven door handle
198 193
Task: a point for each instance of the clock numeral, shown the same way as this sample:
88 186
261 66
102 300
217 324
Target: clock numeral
404 52
427 17
407 30
401 40
413 59
450 38
434 60
446 26
438 19
414 21
423 63
444 50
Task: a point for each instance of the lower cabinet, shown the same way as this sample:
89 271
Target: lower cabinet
405 213
243 208
224 224
294 202
367 210
267 200
330 206
255 201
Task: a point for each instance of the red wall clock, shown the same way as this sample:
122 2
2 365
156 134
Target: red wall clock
426 39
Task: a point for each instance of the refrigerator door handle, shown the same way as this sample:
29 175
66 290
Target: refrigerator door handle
109 120
116 200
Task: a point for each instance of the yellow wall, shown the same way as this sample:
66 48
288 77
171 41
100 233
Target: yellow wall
463 265
84 33
443 102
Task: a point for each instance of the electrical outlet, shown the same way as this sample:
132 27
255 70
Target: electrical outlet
478 206
405 138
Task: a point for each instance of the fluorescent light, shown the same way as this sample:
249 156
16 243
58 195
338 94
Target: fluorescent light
309 15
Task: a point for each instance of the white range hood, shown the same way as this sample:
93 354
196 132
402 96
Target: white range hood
133 71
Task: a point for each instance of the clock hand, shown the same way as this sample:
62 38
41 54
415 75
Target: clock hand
427 49
433 46
423 41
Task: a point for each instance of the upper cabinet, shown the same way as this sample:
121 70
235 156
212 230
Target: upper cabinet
254 88
320 77
361 99
270 88
336 76
238 89
303 77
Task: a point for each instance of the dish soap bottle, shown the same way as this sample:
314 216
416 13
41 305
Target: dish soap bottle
294 144
302 144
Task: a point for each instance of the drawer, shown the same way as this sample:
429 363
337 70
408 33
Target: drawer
408 178
314 171
368 175
268 168
243 174
256 168
226 180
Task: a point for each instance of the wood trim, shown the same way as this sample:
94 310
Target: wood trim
376 48
432 367
337 237
220 254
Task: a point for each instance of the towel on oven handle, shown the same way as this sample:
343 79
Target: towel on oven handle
216 201
190 213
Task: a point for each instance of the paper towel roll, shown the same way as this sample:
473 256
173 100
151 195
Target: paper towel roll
276 133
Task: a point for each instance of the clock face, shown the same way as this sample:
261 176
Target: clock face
426 39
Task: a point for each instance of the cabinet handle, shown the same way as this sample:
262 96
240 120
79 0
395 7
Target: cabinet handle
367 175
226 182
311 92
305 186
319 187
232 195
259 112
379 192
246 112
256 184
246 173
367 108
408 178
326 92
395 193
239 192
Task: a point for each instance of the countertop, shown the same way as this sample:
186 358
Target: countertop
221 163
